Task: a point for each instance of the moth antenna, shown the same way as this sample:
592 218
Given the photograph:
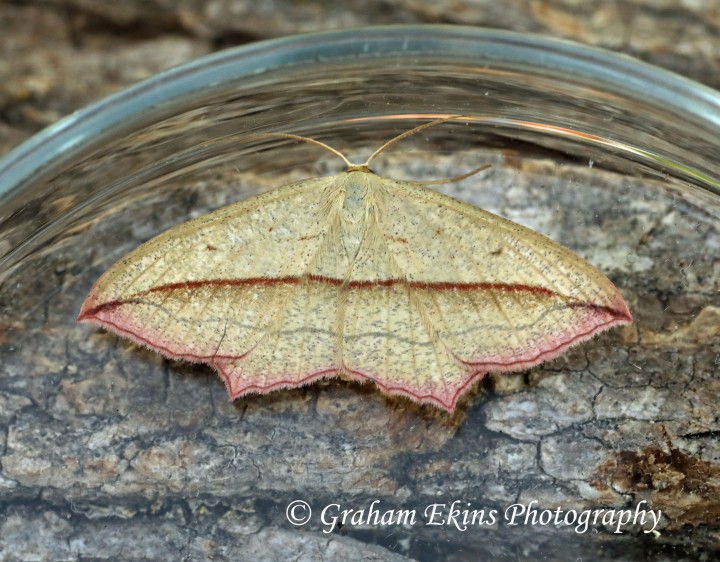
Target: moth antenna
307 140
410 132
455 178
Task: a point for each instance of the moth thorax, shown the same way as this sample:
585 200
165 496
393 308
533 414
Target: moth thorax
355 202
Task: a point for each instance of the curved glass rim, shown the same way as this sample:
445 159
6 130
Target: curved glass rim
53 145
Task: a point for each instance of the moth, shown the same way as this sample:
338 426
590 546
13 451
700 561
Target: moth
358 276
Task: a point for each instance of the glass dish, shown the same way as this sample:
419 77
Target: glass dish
611 157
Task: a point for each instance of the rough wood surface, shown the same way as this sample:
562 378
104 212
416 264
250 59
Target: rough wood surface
57 56
109 452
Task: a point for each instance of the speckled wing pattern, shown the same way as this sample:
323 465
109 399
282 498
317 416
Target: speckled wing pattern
359 276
